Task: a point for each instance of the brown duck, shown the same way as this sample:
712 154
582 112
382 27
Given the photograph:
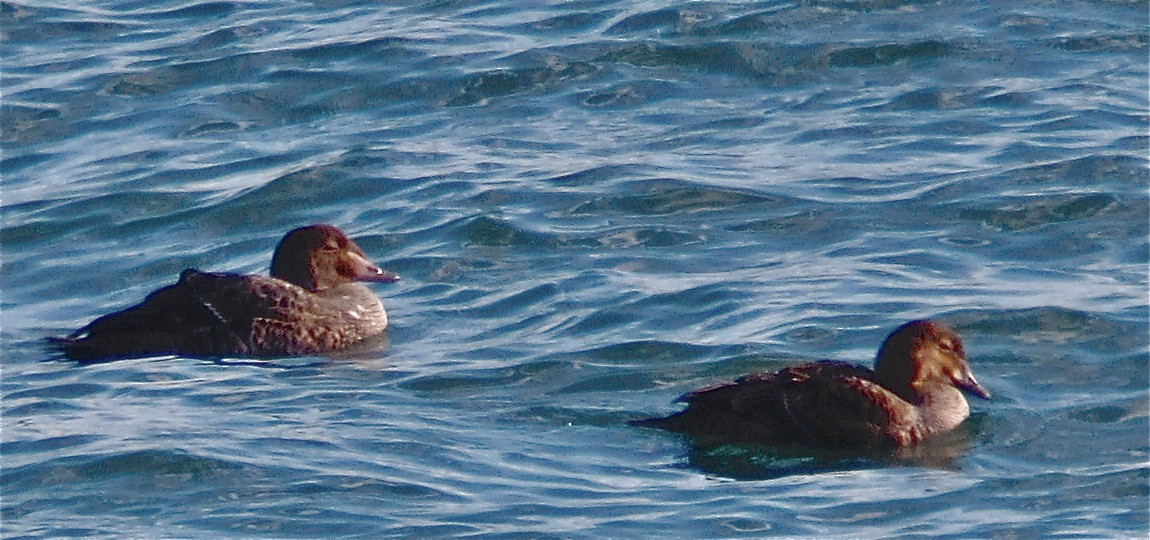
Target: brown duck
311 304
914 392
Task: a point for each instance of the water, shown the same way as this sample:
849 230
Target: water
596 206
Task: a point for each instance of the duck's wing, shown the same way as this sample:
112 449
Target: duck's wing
828 403
165 322
265 316
276 318
825 403
203 314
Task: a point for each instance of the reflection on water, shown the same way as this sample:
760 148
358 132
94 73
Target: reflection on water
759 462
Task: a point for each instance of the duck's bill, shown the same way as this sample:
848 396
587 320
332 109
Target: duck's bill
364 270
972 386
382 276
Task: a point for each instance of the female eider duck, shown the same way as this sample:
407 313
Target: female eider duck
312 303
914 392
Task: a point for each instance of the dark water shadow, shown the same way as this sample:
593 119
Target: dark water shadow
763 462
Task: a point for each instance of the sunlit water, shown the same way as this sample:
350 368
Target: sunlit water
595 206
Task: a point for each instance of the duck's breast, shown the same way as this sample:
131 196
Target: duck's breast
302 322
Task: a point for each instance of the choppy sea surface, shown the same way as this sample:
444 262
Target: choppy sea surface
595 205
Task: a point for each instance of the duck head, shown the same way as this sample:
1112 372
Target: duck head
319 257
920 354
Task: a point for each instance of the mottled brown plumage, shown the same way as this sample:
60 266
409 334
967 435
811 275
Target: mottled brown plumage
914 392
311 304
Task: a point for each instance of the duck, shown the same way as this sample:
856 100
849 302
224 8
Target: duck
314 302
915 391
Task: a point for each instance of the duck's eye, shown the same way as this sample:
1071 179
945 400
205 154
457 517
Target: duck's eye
946 345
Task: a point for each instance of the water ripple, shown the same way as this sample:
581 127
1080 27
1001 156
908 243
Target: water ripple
595 206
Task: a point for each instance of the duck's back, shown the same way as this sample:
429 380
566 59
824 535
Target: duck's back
824 403
219 314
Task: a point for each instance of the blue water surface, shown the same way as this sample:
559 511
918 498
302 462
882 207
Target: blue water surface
596 205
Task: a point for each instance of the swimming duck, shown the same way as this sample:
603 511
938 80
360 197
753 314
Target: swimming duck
312 303
914 392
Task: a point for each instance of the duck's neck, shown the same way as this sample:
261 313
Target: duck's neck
357 305
943 408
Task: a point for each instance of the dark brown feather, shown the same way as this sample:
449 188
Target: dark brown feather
825 403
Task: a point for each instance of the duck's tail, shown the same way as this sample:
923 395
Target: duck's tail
673 422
